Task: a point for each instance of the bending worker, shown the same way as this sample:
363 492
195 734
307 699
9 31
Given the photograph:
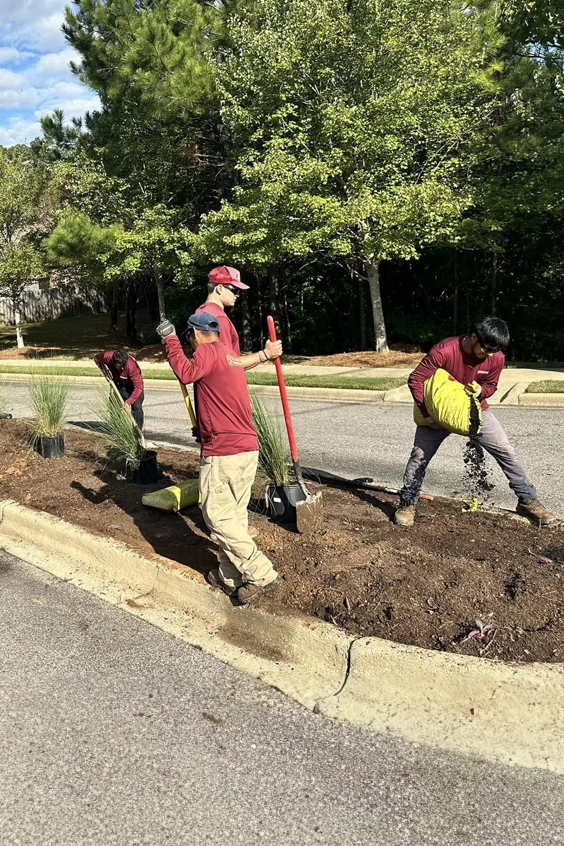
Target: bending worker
229 457
127 377
476 357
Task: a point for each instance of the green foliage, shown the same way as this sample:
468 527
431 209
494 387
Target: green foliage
274 457
123 441
49 398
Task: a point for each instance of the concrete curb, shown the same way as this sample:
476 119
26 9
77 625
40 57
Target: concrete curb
506 712
542 400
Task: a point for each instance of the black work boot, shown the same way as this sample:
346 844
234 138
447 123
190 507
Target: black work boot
535 511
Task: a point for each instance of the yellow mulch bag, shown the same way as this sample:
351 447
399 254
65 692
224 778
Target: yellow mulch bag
449 405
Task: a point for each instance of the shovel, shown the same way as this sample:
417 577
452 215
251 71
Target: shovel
309 512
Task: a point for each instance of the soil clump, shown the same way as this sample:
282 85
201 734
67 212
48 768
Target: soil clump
425 587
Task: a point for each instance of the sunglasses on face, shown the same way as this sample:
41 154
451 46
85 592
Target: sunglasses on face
231 288
487 349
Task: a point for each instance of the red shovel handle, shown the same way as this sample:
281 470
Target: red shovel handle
283 394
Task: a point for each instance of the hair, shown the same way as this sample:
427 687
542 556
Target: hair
120 357
493 332
211 287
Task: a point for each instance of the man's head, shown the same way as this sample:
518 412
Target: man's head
488 336
119 359
225 284
203 328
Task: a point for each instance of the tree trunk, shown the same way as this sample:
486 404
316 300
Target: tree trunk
131 311
373 275
262 336
17 321
160 293
362 314
275 300
288 327
113 307
455 298
246 334
493 287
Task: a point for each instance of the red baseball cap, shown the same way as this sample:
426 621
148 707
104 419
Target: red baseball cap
226 276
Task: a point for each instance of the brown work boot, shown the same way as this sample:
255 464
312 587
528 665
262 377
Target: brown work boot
535 511
214 579
249 592
405 516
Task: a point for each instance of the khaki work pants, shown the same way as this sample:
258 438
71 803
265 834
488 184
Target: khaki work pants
225 489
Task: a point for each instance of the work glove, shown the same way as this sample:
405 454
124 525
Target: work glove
165 328
196 434
473 390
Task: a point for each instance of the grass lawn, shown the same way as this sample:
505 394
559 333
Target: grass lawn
344 382
70 337
549 386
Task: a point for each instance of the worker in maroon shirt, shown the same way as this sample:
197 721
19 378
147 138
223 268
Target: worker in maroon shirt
224 287
126 375
229 456
476 357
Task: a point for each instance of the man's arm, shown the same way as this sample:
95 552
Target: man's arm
272 350
185 369
424 370
489 386
133 372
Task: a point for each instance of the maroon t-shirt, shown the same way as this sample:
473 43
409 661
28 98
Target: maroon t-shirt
131 371
450 356
227 332
224 407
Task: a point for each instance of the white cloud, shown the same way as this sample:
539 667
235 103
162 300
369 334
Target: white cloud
35 77
19 131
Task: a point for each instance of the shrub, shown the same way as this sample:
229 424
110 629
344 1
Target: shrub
274 456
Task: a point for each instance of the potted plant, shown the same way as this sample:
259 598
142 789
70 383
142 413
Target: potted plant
49 398
274 460
125 446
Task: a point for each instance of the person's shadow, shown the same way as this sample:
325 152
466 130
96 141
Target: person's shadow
181 536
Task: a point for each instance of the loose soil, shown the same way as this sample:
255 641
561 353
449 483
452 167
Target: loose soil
426 586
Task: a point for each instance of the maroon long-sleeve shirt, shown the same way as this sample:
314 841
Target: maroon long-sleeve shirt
131 371
450 356
224 408
227 332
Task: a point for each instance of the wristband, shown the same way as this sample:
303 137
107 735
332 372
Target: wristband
265 359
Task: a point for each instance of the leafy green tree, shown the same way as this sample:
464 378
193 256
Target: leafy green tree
25 217
353 124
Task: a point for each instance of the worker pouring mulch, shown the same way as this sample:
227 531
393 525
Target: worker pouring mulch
475 361
477 475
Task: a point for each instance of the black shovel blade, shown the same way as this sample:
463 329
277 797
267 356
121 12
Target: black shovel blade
309 514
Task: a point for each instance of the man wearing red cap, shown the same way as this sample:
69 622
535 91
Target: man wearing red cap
223 289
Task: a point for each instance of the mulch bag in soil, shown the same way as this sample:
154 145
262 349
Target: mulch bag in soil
449 405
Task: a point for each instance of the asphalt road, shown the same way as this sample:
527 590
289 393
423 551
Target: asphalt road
113 733
359 439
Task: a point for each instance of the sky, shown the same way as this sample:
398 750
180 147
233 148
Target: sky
34 69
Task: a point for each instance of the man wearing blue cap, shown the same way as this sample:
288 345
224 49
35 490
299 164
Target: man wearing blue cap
229 456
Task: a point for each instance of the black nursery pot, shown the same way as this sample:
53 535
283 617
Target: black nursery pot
49 446
281 502
147 473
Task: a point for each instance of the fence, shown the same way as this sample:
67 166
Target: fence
52 302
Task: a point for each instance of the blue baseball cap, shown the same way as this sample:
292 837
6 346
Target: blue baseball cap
204 321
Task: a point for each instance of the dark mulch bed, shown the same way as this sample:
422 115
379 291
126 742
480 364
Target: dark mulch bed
424 587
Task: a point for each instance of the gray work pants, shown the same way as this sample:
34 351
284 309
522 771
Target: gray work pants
493 439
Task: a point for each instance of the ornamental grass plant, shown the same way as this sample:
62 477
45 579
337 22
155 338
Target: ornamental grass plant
274 456
123 440
49 398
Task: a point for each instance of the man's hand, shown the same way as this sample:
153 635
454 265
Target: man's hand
165 328
473 390
273 349
196 434
127 407
432 424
